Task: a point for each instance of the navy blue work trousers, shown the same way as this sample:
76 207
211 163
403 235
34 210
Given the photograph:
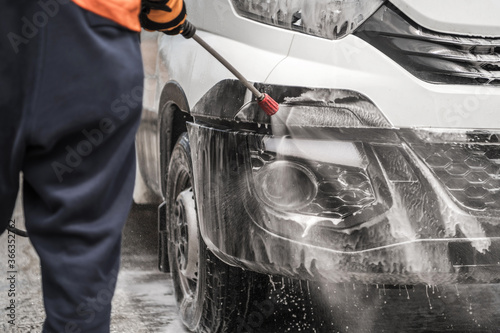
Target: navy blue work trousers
70 102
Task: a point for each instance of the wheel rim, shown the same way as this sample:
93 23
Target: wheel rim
186 243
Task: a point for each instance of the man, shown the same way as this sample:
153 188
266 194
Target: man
70 102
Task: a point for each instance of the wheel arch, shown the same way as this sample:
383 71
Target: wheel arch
173 113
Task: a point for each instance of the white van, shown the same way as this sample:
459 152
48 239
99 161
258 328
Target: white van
381 167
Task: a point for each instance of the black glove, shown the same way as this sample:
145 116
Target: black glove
167 16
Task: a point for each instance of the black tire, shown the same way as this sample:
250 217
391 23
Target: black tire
217 300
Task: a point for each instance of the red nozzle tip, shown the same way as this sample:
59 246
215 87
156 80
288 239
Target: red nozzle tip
269 105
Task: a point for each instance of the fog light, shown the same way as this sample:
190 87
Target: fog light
286 185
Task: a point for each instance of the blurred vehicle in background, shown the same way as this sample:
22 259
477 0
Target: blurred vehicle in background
381 167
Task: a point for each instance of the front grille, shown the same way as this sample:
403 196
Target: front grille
432 56
470 172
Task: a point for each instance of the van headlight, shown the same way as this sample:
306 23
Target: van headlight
327 179
332 19
286 185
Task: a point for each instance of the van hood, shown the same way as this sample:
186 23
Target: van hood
464 17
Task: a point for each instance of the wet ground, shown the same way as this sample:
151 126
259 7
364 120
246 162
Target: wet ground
144 299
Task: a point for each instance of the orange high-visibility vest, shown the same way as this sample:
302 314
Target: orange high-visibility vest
124 12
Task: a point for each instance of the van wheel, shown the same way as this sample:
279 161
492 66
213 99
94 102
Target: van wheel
211 295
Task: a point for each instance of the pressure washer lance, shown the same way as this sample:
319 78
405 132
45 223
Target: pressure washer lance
266 103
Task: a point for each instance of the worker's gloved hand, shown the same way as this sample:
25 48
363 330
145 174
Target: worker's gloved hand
166 16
